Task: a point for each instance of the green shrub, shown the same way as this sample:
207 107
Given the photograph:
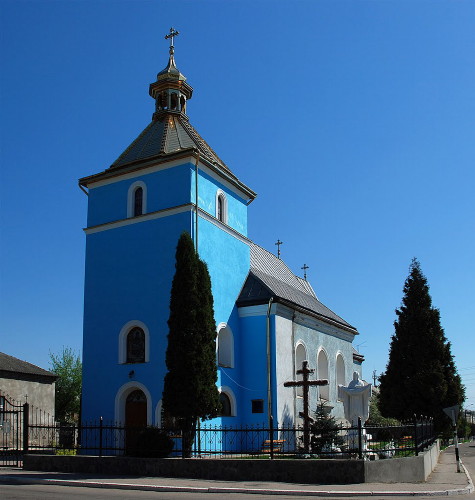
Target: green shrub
152 442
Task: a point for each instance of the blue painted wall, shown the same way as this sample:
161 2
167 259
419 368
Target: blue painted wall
129 271
253 346
167 188
207 189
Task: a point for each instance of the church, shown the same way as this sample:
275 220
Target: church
169 180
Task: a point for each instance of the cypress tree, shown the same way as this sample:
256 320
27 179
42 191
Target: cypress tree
190 390
420 377
208 395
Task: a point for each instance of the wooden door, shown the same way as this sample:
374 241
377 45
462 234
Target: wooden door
135 419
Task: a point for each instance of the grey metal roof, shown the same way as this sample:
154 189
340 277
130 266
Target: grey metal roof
170 133
270 276
11 364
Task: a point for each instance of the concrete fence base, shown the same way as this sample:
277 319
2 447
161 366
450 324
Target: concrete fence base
333 471
403 470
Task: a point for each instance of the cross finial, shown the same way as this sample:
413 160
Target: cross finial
305 267
278 243
173 33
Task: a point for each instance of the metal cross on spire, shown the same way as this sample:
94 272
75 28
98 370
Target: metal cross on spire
173 33
305 267
278 243
305 383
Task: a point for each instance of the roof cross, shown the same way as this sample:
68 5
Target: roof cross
173 34
278 243
305 267
305 383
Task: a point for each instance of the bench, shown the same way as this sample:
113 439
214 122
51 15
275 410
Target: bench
277 445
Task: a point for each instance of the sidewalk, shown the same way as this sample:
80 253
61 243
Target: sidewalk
443 481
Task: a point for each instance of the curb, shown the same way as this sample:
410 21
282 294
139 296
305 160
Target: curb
256 491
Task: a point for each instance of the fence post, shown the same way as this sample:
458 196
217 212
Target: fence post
360 439
79 436
271 433
416 441
26 423
199 437
100 436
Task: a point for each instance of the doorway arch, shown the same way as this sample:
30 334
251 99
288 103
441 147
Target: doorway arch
121 400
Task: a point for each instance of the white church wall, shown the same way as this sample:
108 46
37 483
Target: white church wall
292 330
284 368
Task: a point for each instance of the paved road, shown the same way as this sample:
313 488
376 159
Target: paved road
47 492
467 454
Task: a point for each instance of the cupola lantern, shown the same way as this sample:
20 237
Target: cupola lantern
170 91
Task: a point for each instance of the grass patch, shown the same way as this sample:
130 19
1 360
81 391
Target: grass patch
65 451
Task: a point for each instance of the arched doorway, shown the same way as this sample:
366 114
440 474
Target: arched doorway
135 419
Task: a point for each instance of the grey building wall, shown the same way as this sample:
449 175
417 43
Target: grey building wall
38 394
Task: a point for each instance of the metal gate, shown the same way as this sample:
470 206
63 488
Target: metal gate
13 432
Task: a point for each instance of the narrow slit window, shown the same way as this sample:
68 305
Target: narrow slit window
138 202
220 209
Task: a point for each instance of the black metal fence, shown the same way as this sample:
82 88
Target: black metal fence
359 442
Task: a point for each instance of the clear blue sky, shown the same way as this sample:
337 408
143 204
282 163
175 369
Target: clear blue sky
353 120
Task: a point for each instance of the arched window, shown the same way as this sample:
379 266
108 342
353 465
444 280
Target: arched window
136 346
174 101
137 199
300 357
221 207
228 402
322 373
340 371
138 202
183 104
134 343
225 346
225 405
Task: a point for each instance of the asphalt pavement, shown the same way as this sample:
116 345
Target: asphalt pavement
444 480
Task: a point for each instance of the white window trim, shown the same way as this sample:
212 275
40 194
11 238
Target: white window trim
222 194
299 390
323 388
221 326
339 354
123 340
232 398
131 198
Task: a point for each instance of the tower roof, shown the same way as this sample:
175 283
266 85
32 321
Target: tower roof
168 133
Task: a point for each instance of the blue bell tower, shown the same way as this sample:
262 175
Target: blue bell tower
168 180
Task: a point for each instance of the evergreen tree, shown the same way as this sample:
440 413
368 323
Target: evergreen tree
420 376
190 390
324 431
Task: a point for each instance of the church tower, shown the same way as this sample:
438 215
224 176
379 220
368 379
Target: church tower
168 180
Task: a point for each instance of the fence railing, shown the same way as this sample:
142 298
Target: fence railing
101 438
